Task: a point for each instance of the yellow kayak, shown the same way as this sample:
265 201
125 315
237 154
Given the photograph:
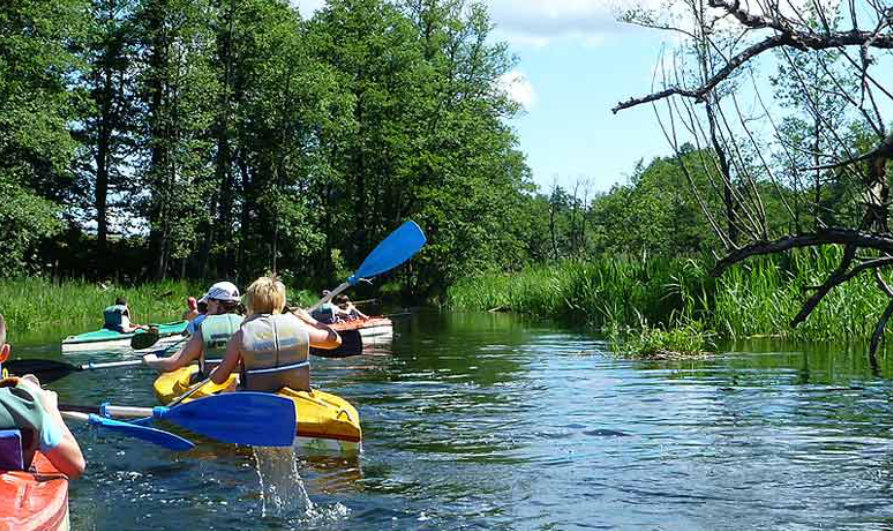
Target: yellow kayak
325 421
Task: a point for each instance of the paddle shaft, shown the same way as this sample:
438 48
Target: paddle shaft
108 365
332 294
114 411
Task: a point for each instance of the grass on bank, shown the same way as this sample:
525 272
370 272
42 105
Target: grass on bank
757 298
38 306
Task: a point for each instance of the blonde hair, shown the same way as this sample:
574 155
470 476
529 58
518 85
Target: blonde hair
265 295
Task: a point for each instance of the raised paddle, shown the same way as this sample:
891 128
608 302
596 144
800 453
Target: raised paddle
256 419
397 248
168 440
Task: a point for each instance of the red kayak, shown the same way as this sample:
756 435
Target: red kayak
36 499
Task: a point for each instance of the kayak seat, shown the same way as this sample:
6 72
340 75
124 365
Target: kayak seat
11 457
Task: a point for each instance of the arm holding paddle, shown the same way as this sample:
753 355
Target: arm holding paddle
321 335
186 355
62 448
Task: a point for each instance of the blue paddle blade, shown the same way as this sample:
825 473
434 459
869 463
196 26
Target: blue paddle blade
153 435
256 419
397 248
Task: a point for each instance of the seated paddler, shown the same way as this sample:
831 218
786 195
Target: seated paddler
213 330
271 350
30 421
117 317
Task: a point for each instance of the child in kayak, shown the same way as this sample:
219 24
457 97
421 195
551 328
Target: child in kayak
272 348
344 304
34 411
330 312
117 318
210 331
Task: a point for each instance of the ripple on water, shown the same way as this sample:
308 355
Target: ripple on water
486 422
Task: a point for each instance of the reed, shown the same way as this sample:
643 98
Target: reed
758 298
37 307
35 304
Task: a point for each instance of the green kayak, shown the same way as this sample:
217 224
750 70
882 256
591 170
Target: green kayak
104 339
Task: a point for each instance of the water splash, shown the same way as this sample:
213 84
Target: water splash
282 492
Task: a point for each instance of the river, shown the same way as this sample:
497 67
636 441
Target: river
492 422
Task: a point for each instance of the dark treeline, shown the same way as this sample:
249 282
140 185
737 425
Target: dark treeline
150 139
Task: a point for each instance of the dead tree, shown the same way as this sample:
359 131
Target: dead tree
697 96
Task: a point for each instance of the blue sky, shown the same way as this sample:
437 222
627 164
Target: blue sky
575 62
568 131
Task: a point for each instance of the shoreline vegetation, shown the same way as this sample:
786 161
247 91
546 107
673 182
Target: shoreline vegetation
36 306
653 307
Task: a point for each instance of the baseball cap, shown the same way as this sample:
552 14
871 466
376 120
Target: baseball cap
222 291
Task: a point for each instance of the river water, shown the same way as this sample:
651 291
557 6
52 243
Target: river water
480 421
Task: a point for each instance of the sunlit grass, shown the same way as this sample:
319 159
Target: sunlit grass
757 298
33 304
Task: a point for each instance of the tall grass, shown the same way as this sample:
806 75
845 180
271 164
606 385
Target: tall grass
38 307
758 298
31 305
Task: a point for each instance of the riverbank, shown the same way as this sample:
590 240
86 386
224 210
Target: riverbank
755 299
35 306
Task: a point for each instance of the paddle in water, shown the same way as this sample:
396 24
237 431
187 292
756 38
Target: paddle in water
256 419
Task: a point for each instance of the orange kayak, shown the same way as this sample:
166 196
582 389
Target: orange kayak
373 327
36 499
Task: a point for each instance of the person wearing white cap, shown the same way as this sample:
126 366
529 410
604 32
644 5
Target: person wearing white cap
210 331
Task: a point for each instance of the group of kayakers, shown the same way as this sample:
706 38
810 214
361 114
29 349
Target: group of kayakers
268 344
255 334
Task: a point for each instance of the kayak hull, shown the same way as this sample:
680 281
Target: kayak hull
373 329
109 340
326 423
35 499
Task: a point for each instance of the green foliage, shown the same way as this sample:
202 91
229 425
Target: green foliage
39 305
36 105
755 299
683 340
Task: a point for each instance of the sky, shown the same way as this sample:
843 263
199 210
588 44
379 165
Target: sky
575 62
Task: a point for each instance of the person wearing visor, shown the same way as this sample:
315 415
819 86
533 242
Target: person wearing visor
210 331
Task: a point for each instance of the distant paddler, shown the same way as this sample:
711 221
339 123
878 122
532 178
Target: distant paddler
117 318
344 304
210 331
272 348
329 312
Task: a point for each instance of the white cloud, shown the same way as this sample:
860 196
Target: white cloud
518 88
538 22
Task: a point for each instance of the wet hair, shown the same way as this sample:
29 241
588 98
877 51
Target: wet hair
202 306
121 301
266 295
342 299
